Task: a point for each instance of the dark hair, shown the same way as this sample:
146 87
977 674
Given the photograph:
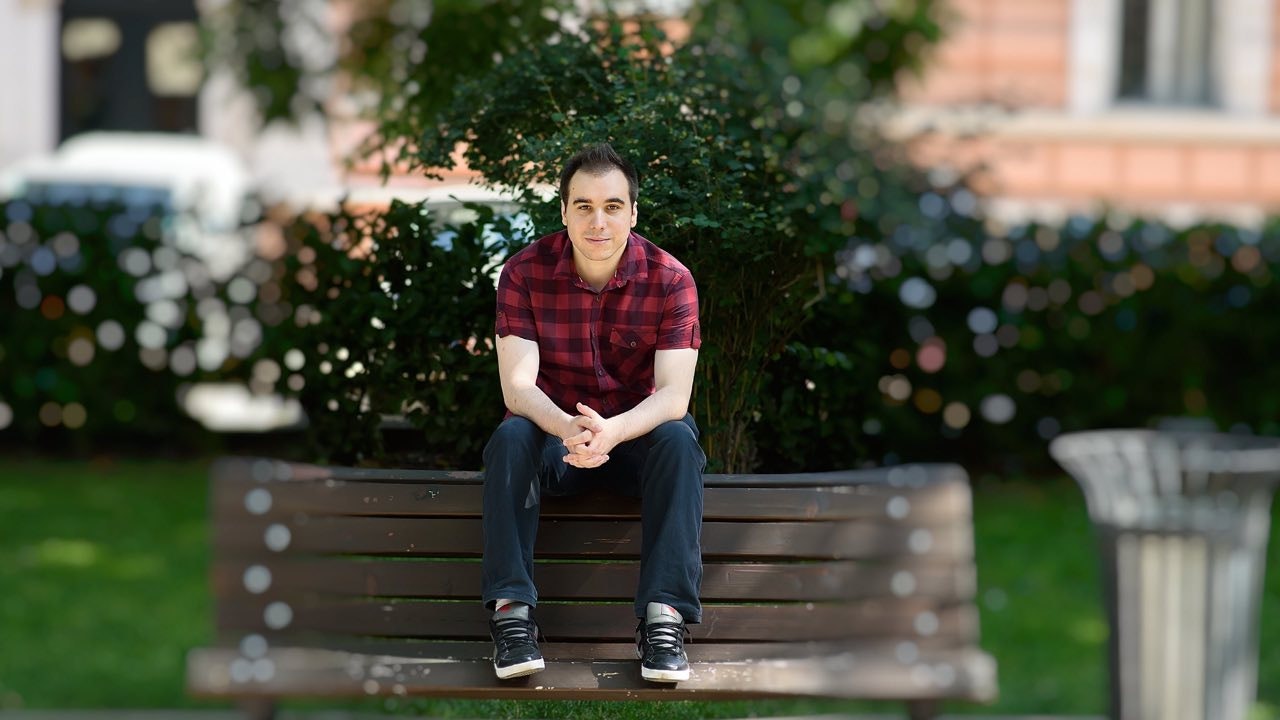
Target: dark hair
598 160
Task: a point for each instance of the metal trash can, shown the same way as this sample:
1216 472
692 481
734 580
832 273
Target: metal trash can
1182 521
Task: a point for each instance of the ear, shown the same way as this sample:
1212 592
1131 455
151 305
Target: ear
564 214
635 211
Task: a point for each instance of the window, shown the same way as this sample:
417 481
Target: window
1166 52
173 59
87 39
1194 54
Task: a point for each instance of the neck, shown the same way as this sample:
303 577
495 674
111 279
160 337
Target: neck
596 275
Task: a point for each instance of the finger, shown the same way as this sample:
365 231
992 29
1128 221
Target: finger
592 415
580 439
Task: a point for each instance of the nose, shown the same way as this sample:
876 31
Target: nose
597 220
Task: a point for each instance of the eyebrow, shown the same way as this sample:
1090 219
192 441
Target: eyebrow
581 200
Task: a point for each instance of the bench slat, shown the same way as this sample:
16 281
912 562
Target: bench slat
460 579
263 470
588 651
905 618
605 539
938 500
318 673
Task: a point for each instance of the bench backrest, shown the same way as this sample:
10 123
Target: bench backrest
353 558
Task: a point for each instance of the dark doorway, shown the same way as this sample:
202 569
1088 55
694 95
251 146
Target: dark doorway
128 65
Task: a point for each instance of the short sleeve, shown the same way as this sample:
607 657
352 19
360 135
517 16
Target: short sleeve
680 328
515 310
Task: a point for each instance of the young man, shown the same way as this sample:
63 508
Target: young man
597 343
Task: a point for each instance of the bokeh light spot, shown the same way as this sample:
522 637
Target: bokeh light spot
986 345
52 307
1091 303
43 261
932 355
110 335
81 299
135 261
956 415
1048 428
50 414
997 409
1059 291
1014 297
80 351
74 416
928 401
150 335
917 293
982 320
183 361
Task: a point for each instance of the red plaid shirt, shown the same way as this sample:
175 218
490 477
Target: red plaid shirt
597 348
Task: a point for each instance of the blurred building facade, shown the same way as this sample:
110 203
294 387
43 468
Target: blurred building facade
1049 106
72 66
75 66
1156 106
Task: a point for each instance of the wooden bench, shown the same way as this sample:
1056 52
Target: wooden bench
335 582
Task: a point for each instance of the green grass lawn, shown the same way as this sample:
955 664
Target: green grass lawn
102 568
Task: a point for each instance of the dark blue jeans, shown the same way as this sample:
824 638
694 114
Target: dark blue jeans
663 469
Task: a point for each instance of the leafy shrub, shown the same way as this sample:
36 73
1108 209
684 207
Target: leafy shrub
982 347
389 315
98 324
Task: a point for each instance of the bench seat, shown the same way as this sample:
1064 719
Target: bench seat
342 582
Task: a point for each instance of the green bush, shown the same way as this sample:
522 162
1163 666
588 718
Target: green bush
97 328
1097 323
386 315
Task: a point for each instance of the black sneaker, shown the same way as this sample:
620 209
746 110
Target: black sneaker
660 646
515 643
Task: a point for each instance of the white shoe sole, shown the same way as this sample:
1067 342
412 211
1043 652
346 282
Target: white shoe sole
525 668
664 675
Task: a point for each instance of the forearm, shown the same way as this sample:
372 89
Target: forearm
668 403
530 402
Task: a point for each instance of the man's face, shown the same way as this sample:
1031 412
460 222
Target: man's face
599 215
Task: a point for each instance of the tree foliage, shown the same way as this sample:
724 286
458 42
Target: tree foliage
755 169
736 181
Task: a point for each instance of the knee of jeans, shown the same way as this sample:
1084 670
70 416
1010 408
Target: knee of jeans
673 431
675 434
515 434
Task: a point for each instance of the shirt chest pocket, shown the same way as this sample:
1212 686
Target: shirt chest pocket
626 340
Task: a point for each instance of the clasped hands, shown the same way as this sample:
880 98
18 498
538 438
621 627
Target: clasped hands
589 439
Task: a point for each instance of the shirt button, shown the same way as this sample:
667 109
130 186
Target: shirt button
600 372
633 343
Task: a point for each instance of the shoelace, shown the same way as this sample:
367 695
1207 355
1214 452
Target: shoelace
515 632
664 637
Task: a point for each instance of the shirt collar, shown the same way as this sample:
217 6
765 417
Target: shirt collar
631 267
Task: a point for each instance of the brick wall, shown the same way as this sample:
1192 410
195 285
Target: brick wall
1275 57
1015 52
1004 51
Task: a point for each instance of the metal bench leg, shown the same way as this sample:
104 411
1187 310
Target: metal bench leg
257 708
923 709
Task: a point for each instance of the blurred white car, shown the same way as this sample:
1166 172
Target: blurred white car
202 184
